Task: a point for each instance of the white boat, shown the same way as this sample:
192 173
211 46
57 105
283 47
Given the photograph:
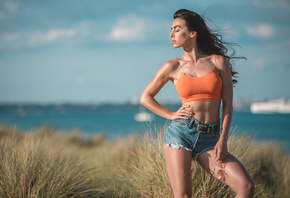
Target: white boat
143 117
272 106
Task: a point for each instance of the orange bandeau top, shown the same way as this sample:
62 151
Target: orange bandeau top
203 88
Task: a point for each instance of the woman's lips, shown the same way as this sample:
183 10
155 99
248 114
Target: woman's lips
173 41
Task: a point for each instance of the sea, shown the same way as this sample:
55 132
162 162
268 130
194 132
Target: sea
117 120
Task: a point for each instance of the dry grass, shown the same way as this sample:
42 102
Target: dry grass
44 163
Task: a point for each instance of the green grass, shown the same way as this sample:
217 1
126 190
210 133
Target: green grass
47 163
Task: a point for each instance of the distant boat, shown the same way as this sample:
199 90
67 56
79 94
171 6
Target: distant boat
143 116
272 106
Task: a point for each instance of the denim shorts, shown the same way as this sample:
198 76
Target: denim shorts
182 133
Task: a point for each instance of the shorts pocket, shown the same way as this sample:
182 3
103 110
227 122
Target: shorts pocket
180 122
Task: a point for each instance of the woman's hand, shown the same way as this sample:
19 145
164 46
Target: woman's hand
181 112
220 150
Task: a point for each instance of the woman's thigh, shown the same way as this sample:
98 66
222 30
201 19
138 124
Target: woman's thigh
178 164
236 176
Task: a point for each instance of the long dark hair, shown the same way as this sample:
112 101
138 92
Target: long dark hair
208 42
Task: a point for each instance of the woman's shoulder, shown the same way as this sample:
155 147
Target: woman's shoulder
216 57
170 65
169 69
219 61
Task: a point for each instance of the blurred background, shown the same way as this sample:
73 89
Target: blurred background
84 64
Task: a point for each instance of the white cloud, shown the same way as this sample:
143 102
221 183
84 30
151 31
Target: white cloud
128 28
134 29
10 36
260 63
8 9
11 7
262 30
36 38
52 35
282 5
81 80
57 33
61 33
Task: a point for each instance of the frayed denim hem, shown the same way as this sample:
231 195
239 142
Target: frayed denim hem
176 146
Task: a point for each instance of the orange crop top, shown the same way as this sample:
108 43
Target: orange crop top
203 88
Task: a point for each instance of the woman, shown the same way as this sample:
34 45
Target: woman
202 76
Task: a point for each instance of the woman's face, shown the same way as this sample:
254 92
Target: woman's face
180 36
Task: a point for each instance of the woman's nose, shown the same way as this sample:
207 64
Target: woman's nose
171 35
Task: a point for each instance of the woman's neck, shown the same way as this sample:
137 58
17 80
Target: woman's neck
191 54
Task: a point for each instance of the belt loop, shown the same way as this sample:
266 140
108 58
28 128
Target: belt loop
191 121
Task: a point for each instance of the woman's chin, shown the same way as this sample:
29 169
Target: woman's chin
175 46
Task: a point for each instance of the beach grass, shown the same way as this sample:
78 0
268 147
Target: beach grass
48 163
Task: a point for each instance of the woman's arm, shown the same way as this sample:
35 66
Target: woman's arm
147 99
227 99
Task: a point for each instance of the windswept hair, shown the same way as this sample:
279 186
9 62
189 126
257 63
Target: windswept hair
208 42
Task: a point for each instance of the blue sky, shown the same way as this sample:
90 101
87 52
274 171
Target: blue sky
95 51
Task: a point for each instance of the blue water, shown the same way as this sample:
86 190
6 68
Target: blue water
118 120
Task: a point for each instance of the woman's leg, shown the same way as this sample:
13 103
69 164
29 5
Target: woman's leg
236 177
178 164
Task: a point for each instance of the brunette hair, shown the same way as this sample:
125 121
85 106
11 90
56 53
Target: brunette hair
208 41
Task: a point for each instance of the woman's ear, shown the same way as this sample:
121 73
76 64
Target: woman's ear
193 34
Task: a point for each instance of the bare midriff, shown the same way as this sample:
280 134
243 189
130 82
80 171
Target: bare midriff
206 111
